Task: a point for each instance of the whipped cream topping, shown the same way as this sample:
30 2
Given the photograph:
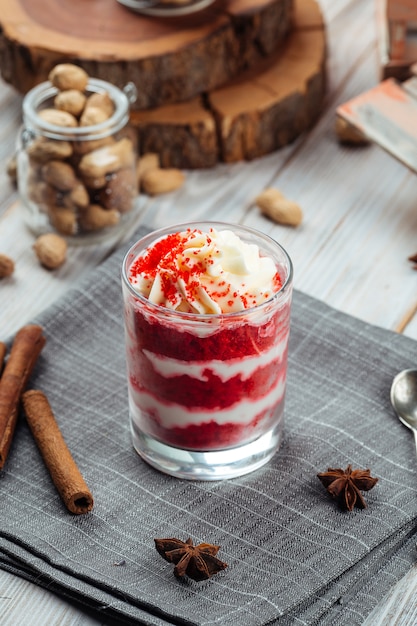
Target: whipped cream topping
206 273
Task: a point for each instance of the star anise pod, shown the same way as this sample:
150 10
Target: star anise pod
346 485
197 562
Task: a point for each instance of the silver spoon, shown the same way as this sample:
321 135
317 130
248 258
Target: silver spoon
404 398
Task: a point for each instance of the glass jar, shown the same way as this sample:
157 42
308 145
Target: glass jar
77 173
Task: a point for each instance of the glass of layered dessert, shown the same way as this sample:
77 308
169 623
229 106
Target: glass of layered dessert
207 320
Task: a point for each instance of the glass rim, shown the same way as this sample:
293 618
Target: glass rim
39 94
196 317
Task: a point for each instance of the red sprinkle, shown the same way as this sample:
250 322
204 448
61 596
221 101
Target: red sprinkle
162 258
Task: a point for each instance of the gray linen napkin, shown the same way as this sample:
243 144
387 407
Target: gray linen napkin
294 556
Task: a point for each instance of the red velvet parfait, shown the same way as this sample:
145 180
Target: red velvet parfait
206 351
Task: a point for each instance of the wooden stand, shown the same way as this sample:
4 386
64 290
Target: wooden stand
235 81
169 60
265 109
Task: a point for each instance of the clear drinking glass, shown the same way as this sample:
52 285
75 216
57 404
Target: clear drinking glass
206 391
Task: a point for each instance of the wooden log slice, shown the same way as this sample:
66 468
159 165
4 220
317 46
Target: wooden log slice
168 59
265 109
184 135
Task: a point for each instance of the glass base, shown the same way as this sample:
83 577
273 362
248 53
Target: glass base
212 465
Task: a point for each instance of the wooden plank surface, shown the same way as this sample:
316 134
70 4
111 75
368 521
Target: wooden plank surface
360 225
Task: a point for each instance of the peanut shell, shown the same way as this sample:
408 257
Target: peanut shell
58 118
12 169
60 175
77 197
51 250
6 266
99 163
68 76
71 101
158 181
274 205
120 191
92 116
43 149
94 217
101 101
63 219
84 147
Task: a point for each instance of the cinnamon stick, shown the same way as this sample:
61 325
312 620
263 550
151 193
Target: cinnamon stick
3 350
26 347
55 453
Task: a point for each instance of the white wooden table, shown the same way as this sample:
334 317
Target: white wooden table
360 226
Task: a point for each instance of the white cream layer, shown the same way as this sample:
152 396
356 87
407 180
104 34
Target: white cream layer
175 415
169 367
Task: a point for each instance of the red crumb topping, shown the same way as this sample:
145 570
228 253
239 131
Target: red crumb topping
162 258
167 248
